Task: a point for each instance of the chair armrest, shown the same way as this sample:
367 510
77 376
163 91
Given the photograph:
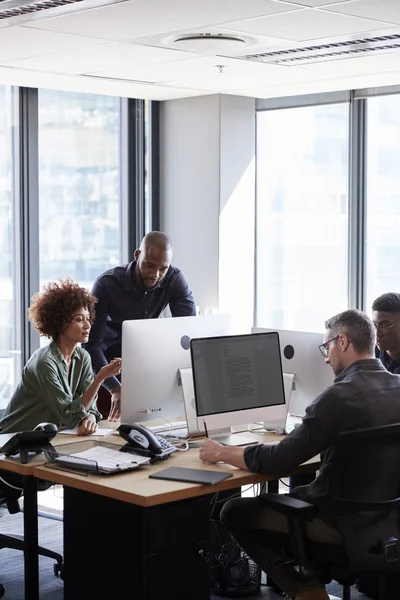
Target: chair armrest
289 506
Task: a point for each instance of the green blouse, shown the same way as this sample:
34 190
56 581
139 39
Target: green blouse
48 393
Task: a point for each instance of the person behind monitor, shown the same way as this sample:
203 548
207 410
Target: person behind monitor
141 289
349 404
386 318
57 384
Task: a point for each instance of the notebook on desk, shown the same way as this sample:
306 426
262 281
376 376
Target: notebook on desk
191 475
98 459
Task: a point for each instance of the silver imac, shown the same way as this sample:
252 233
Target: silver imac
301 357
153 352
237 380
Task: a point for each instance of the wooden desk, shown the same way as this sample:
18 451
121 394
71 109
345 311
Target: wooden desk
140 538
29 484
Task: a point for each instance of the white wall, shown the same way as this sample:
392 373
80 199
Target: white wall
208 197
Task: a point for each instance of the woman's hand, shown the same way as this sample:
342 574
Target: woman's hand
111 370
88 426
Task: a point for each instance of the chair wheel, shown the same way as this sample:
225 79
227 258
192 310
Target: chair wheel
57 568
2 590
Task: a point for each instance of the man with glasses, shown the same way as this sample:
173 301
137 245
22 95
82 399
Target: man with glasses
349 404
386 318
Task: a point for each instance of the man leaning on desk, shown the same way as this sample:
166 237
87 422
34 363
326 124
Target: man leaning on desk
140 290
364 394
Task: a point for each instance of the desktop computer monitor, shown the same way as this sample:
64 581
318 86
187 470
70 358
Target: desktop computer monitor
153 351
301 356
237 380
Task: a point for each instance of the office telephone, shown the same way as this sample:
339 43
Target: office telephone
141 440
25 443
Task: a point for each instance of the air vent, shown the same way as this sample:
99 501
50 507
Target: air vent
14 12
331 51
209 43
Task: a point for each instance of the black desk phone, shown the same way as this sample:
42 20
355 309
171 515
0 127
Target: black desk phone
141 440
25 443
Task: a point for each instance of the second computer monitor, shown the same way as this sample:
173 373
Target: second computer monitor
237 380
153 351
301 356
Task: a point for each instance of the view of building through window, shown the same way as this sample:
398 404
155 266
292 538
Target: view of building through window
302 216
10 330
79 185
383 198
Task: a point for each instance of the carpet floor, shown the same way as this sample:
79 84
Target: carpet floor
51 587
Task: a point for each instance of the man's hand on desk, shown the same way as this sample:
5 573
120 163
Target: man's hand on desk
115 410
213 452
88 426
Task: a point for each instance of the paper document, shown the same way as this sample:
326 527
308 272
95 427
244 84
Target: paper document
101 432
102 460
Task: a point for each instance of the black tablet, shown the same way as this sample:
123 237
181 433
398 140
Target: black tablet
191 475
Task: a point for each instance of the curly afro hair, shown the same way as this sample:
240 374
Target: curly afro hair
53 308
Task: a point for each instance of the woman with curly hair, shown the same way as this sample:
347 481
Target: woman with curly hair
57 382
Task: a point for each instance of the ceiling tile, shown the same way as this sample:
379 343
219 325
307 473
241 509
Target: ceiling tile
380 10
98 58
141 18
19 42
305 24
316 3
362 65
258 43
193 69
223 82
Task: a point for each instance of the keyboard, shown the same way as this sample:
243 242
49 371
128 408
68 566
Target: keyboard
166 427
181 434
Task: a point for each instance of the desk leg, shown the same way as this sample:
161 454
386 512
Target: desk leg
31 555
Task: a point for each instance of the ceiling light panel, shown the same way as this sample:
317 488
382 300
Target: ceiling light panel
325 52
18 12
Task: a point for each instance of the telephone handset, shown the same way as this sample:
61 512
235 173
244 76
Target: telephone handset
35 441
141 440
140 437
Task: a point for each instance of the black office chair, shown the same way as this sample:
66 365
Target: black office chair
15 541
366 510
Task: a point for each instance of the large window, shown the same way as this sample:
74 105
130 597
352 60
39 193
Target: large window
10 330
79 185
302 216
382 272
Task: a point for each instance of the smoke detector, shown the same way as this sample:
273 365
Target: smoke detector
211 43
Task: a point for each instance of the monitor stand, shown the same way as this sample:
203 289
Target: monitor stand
185 379
224 436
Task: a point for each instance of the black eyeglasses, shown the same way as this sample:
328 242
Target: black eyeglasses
384 327
324 348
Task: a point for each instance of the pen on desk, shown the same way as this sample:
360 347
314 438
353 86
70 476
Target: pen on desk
205 427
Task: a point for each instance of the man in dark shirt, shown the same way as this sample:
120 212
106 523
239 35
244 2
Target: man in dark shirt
364 394
140 290
386 318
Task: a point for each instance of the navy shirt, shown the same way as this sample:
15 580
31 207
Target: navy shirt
120 299
363 395
393 366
